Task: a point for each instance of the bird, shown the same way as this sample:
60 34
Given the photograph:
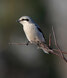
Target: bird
34 33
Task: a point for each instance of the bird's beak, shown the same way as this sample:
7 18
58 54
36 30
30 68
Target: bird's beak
18 21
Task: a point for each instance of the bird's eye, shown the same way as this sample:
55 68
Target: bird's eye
25 19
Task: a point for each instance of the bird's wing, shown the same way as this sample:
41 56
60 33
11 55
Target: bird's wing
40 31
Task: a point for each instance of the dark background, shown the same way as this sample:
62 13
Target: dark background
20 61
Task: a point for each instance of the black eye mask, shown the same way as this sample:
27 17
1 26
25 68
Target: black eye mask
25 19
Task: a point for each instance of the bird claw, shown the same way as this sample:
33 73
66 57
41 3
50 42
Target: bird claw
27 43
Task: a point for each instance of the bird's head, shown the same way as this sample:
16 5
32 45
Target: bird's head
24 19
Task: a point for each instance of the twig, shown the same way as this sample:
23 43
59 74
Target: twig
49 39
58 51
19 43
54 53
57 45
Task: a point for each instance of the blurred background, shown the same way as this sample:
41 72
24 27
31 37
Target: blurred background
20 61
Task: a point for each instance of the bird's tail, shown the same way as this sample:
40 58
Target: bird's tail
45 48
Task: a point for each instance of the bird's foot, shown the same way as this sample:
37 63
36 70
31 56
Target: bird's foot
27 43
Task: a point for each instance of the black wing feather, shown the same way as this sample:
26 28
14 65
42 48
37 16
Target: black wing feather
40 31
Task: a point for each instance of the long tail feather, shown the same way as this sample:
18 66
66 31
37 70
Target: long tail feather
45 48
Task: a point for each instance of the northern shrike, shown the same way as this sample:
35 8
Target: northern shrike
33 32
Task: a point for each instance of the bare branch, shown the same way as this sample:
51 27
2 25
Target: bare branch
54 37
54 53
17 43
59 50
49 39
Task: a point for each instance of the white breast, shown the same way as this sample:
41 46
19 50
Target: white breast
32 33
